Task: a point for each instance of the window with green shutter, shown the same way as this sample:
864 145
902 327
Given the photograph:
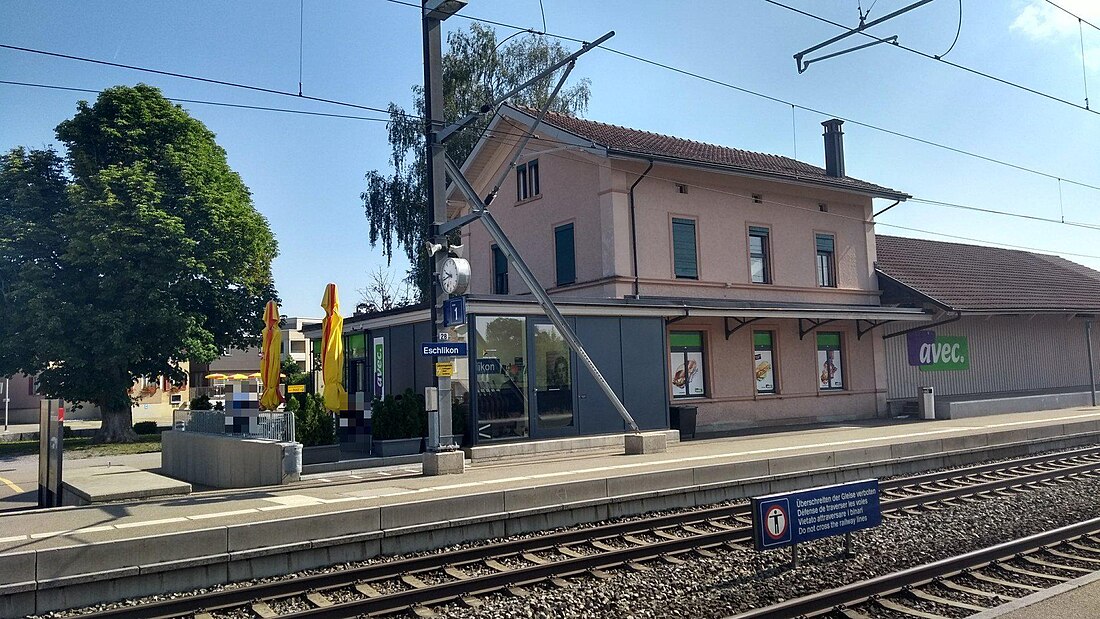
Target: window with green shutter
564 255
684 257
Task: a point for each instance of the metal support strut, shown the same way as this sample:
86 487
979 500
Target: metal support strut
537 290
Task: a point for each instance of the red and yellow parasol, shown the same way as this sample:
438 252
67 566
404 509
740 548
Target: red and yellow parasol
271 354
332 352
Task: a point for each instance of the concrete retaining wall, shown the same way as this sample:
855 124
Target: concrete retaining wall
493 451
35 582
224 461
947 409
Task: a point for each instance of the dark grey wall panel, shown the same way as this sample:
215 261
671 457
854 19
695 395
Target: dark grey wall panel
402 355
644 386
424 368
600 337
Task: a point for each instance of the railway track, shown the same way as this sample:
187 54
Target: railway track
958 586
417 583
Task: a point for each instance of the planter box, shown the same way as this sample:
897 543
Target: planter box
396 447
317 454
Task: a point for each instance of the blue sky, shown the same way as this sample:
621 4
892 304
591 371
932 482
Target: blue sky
306 173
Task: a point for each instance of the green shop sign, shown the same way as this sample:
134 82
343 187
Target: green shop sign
937 353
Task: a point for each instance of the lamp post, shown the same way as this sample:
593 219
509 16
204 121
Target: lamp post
434 13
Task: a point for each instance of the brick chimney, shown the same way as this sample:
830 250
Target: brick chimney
834 147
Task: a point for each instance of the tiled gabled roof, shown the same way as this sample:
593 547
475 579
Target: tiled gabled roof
977 278
634 142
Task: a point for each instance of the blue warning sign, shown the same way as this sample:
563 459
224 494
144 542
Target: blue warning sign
783 519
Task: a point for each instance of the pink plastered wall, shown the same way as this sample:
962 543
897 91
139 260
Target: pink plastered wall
731 400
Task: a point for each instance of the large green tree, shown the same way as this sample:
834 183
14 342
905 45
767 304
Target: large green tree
477 69
140 250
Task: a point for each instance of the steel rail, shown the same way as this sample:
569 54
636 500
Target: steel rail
224 599
889 584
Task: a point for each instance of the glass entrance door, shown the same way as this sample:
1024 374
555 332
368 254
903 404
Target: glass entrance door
552 382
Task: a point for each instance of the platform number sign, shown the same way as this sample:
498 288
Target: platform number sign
774 522
454 311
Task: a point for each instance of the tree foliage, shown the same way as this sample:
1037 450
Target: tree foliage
477 70
148 252
382 293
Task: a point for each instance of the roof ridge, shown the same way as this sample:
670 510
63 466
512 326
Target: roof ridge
643 144
667 136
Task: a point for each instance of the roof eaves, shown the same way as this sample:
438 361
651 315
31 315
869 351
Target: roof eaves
757 173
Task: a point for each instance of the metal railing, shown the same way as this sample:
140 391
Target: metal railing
274 426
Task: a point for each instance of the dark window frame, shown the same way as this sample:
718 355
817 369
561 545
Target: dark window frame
559 276
775 361
684 350
500 276
840 361
825 260
763 233
527 181
685 271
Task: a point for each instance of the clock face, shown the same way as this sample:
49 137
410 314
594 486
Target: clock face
455 275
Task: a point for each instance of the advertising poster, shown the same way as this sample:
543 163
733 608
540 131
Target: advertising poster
687 379
828 364
763 364
765 371
379 356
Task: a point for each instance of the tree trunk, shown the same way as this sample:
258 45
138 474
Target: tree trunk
117 426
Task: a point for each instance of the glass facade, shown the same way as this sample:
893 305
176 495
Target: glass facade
501 370
553 379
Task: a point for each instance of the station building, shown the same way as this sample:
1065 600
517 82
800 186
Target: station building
1015 322
741 284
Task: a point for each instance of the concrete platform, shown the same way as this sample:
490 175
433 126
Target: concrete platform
73 556
1076 599
107 483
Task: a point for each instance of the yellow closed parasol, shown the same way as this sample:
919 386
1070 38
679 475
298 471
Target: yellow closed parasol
332 352
271 353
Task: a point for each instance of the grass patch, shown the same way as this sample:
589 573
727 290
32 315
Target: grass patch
82 447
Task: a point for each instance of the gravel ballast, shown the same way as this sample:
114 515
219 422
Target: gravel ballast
737 581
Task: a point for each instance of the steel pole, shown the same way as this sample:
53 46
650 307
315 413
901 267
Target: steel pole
537 290
7 398
437 204
1092 374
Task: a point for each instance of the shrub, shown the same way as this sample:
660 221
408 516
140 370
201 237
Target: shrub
201 403
400 416
313 424
145 427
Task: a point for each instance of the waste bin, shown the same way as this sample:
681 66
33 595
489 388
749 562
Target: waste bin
682 418
927 403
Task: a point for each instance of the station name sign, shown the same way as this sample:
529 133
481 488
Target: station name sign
783 519
443 349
